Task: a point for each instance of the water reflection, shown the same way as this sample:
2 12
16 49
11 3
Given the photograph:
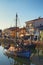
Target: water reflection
19 61
3 59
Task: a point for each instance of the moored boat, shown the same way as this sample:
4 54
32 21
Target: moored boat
25 54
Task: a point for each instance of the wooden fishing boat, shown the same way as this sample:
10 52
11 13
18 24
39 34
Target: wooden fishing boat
20 52
23 53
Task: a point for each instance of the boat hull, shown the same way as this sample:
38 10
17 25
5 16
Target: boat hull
26 54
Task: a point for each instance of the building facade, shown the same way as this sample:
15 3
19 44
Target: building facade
36 23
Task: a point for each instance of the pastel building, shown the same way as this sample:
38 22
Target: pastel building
36 23
35 26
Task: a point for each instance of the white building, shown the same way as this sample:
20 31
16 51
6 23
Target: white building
37 23
34 25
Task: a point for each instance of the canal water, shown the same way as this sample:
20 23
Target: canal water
11 60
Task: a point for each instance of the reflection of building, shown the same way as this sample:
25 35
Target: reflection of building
37 23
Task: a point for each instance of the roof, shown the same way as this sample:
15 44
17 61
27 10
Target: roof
31 21
23 28
12 28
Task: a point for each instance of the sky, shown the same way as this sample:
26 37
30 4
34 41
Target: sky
26 10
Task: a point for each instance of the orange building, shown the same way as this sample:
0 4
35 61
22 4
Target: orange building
22 31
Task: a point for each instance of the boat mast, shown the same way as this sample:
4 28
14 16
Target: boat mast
16 26
16 19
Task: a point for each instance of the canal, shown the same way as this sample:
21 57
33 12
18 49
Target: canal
11 60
